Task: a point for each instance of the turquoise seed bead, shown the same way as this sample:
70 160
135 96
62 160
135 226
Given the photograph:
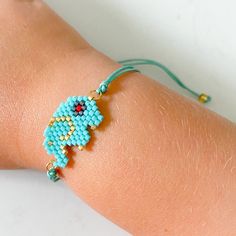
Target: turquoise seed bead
52 175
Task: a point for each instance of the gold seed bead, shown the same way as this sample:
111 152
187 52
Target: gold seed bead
70 133
62 137
72 128
58 119
64 151
67 137
93 127
51 121
80 148
203 98
70 123
63 118
68 118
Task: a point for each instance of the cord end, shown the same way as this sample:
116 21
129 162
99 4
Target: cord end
204 98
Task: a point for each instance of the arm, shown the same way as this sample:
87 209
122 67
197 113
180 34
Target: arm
157 164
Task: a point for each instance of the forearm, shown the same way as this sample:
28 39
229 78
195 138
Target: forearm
158 163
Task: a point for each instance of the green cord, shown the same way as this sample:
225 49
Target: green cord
122 70
128 65
134 62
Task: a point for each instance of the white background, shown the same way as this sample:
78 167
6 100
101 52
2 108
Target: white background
195 38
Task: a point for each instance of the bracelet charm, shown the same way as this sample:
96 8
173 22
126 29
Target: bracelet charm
69 127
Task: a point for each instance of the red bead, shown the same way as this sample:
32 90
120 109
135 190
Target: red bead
78 108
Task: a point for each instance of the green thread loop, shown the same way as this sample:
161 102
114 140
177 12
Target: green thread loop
136 62
128 66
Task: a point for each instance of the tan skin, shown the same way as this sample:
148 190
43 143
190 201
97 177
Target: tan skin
159 164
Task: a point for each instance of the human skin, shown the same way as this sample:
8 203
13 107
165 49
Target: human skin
159 164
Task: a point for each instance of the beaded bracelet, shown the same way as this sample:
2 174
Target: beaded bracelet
69 125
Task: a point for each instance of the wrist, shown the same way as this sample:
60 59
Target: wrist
75 74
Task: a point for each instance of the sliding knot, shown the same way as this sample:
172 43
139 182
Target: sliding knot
102 87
